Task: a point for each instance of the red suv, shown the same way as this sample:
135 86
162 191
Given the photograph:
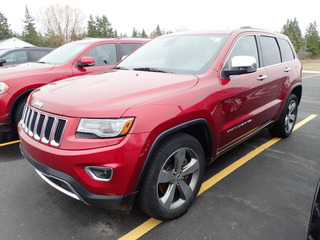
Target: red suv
147 128
72 59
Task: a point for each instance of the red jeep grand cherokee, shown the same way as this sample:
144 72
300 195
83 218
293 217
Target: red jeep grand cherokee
147 128
72 59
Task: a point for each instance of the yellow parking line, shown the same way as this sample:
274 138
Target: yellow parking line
9 143
298 125
152 223
225 172
142 229
234 166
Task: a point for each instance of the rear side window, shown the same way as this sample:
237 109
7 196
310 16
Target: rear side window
286 50
16 57
35 55
127 48
270 51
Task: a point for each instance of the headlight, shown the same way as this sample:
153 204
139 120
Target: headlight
3 87
104 128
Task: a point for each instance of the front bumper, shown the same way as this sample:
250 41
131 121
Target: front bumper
68 185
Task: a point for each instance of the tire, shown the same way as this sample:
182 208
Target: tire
18 111
174 177
287 120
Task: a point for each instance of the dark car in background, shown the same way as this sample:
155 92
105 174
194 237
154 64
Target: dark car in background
314 222
22 55
72 59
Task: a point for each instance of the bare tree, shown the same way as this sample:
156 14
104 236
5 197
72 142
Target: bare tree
63 24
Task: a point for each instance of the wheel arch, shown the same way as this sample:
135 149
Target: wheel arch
198 128
297 90
16 101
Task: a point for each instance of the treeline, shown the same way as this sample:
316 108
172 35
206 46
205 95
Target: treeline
307 46
62 24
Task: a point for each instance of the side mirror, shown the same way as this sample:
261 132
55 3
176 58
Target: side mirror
2 61
86 62
241 65
123 57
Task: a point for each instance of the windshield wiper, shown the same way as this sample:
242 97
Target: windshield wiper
120 68
148 69
43 62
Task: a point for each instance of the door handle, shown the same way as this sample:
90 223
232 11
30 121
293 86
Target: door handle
287 69
261 78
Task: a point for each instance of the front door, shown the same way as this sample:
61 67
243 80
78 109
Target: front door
104 55
243 106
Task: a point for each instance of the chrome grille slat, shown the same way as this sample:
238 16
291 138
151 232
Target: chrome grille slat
39 126
42 127
58 132
26 120
24 115
32 123
47 130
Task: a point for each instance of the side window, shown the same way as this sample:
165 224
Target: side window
245 46
35 55
127 48
104 54
270 51
286 50
16 57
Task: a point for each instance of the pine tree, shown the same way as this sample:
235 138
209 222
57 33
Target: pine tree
156 33
292 30
135 33
92 28
115 33
312 39
104 27
143 34
5 31
29 33
100 28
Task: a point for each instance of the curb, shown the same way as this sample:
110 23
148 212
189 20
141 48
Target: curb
306 71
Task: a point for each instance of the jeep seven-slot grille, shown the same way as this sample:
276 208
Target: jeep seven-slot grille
42 127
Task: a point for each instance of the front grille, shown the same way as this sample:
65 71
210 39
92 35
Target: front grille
42 127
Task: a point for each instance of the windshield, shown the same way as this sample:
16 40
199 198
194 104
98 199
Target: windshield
188 54
64 53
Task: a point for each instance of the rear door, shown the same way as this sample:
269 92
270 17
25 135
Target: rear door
279 72
245 95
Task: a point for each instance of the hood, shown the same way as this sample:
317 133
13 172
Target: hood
109 94
16 71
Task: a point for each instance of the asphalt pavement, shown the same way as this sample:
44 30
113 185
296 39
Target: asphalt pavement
268 196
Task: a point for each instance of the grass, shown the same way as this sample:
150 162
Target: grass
311 64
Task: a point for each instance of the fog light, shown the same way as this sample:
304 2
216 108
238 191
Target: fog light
100 173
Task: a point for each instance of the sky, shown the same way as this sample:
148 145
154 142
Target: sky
176 15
